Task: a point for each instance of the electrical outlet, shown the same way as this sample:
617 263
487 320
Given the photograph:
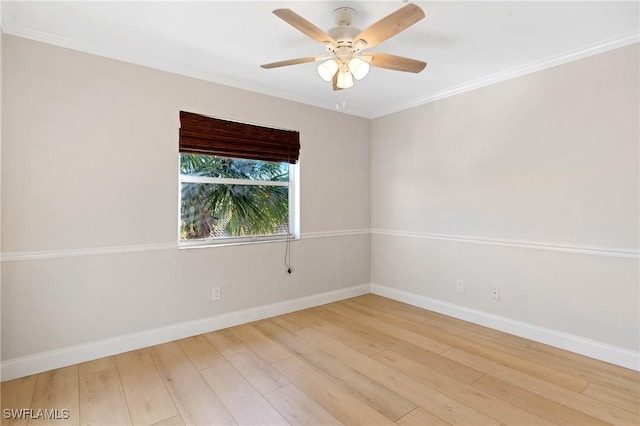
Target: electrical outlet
460 286
215 293
495 293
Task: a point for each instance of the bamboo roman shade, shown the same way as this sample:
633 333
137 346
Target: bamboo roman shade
200 134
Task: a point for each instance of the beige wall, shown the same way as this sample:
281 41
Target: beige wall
550 158
90 161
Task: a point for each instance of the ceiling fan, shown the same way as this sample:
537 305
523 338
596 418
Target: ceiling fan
345 45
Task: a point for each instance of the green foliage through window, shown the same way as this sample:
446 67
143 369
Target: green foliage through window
224 197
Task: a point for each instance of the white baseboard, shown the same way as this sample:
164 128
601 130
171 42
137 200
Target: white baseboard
45 361
591 348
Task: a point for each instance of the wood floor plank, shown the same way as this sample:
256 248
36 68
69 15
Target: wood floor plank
379 305
102 400
370 309
288 322
334 398
465 393
266 348
422 315
304 318
590 369
386 402
563 363
195 400
534 369
421 417
298 408
173 421
201 353
94 366
614 370
476 330
148 398
443 365
421 394
366 340
478 334
615 397
244 402
587 405
543 407
57 390
15 395
355 334
256 370
390 329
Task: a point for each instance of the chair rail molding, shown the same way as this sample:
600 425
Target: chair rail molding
564 248
19 256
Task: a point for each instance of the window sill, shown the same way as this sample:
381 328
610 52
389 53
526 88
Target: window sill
224 242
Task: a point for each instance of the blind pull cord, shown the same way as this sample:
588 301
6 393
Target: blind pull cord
287 250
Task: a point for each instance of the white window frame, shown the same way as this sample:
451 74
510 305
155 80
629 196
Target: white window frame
294 209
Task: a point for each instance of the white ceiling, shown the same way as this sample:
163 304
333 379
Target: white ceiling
466 44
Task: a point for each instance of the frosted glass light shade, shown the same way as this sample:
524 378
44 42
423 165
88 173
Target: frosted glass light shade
345 80
327 69
358 68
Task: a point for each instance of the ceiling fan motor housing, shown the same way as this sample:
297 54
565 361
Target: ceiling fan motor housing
344 33
343 16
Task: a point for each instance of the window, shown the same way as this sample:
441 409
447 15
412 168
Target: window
223 198
237 181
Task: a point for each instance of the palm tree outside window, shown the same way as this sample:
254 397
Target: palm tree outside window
225 198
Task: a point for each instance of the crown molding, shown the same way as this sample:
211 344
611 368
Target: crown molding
519 71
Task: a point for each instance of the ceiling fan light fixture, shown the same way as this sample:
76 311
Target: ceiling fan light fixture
345 80
328 69
358 68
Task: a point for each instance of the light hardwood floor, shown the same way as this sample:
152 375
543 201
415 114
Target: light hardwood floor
363 361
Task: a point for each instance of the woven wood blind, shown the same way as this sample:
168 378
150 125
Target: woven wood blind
200 134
